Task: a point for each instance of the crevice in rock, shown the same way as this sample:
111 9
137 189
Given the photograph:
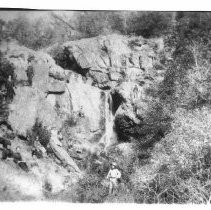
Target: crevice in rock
146 133
104 87
56 77
55 92
67 61
117 101
21 137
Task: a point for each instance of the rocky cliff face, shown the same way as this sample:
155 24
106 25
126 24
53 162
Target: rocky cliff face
94 90
89 76
127 67
123 66
106 61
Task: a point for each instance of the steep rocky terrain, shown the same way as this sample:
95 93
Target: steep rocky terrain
97 91
127 67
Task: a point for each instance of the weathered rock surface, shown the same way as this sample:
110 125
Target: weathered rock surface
129 66
112 58
55 98
125 65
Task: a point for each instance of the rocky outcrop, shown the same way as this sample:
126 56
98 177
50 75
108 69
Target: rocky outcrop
100 84
61 153
108 60
36 76
55 97
60 90
128 66
100 92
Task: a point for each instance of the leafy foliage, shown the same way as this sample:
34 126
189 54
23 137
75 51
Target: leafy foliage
31 34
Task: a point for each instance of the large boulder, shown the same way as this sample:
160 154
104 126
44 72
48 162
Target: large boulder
55 86
41 64
53 96
110 58
29 104
36 76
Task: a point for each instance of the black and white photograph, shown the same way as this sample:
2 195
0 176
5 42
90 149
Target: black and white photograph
105 106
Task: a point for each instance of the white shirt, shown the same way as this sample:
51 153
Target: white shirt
114 173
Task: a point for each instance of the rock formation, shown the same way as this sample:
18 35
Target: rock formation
94 90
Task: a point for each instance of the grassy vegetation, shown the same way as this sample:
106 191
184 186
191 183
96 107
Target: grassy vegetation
181 163
178 170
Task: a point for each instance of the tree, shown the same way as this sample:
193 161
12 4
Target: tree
35 35
149 24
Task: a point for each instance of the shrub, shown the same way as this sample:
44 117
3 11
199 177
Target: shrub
189 185
40 131
187 79
180 164
91 190
93 187
6 70
190 133
34 34
71 121
154 122
149 24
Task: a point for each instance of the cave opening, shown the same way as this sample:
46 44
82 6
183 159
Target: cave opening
66 60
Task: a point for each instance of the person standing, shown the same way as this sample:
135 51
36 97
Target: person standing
113 175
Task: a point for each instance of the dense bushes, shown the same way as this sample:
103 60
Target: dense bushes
59 28
6 71
185 185
149 24
93 187
7 85
91 190
190 133
6 68
41 33
32 34
187 79
180 163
